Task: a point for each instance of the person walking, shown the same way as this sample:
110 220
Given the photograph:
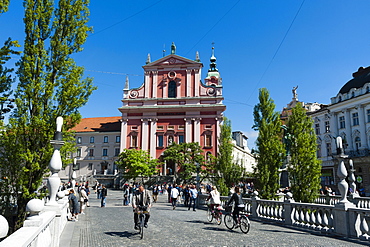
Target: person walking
126 194
186 194
73 204
193 195
174 194
83 199
98 190
103 196
155 193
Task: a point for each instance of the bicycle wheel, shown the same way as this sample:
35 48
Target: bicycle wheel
245 224
141 226
218 218
229 221
209 215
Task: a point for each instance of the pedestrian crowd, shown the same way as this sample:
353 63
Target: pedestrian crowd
78 197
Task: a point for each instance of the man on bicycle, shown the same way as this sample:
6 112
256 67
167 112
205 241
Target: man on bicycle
141 199
238 204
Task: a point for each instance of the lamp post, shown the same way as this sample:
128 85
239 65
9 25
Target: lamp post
197 178
55 164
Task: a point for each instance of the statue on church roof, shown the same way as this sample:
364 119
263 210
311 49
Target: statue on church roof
294 91
173 48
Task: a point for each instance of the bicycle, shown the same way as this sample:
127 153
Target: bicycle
243 220
142 211
215 213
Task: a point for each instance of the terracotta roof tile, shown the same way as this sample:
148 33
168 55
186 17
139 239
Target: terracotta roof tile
99 124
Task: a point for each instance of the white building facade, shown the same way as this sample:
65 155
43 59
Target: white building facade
241 153
347 116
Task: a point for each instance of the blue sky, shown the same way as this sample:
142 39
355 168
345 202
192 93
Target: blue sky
277 44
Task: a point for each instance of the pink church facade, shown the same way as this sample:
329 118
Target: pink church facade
173 105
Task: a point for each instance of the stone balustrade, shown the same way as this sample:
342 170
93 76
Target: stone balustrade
330 217
41 228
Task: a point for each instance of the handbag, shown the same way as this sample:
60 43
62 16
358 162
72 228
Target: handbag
86 200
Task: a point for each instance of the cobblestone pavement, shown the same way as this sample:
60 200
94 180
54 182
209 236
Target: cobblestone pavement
113 226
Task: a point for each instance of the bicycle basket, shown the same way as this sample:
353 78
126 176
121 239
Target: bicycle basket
228 209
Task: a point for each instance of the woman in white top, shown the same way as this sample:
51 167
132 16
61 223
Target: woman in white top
215 198
83 199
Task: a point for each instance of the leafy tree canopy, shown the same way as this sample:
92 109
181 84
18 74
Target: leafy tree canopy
137 163
186 156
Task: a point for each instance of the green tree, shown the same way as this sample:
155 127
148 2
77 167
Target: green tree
270 149
50 84
137 163
226 172
185 156
304 169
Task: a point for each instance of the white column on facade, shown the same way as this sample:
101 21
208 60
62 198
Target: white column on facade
155 85
334 124
123 144
165 88
196 82
178 89
348 123
361 119
188 128
197 130
144 134
146 84
219 121
188 83
153 137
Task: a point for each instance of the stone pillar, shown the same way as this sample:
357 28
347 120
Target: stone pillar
178 89
348 130
361 119
196 82
288 209
123 135
144 134
146 84
55 164
188 83
254 209
334 124
155 84
188 130
153 137
165 89
340 211
197 130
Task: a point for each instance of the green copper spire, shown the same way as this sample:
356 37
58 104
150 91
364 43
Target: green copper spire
213 61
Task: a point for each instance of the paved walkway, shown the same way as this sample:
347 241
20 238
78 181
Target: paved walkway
113 226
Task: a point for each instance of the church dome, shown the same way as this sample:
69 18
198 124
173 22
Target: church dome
360 78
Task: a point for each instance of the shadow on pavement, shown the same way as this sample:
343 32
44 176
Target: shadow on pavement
219 229
290 232
124 234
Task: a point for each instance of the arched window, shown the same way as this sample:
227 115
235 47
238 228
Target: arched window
358 142
172 89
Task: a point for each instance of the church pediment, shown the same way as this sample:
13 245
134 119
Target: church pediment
172 60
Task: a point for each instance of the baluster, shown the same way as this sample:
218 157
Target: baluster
318 220
296 216
307 218
325 221
312 219
364 228
301 217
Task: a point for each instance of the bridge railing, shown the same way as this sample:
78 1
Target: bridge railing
332 218
43 227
